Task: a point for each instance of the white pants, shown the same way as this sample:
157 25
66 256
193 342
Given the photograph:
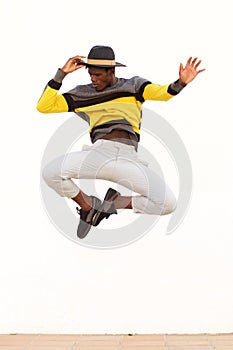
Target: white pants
116 162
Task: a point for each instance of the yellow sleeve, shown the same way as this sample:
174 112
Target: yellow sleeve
156 92
52 102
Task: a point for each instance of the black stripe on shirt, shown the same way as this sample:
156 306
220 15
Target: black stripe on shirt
54 84
72 104
141 91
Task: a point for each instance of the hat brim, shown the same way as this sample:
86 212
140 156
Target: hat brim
117 64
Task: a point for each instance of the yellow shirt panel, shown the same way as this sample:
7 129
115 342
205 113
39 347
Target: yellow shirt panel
127 108
156 92
51 102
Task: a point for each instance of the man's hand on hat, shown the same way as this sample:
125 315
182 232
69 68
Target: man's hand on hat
73 64
190 71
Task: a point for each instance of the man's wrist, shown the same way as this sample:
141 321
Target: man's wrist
182 83
175 87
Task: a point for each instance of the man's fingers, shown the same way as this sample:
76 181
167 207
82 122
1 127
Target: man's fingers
76 59
189 60
198 63
181 68
79 56
201 70
193 61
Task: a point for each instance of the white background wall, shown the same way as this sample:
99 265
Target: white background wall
180 283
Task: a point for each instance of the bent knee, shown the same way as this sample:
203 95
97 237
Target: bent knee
50 173
142 204
170 206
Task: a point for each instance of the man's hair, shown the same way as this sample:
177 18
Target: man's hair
110 68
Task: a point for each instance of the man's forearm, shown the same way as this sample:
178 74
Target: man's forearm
50 101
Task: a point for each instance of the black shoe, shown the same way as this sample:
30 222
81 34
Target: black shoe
107 208
86 217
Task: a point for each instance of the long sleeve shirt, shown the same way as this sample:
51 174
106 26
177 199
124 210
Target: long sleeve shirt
116 107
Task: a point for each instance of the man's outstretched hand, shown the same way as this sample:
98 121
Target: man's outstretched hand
190 71
73 64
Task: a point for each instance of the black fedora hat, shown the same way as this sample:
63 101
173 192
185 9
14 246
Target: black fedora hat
103 57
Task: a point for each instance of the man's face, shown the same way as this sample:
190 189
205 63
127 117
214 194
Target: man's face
101 78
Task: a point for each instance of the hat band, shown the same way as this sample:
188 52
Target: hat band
101 62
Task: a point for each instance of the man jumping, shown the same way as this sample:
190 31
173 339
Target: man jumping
113 108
